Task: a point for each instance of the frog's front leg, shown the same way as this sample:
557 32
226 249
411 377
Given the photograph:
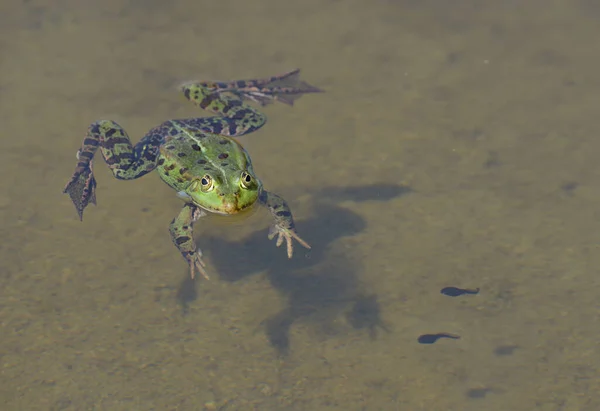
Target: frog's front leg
181 229
125 161
284 227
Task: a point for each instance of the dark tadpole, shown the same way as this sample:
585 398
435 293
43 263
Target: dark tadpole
455 291
432 338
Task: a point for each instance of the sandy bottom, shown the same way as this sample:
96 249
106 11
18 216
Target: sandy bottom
456 146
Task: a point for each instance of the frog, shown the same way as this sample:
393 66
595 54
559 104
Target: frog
200 158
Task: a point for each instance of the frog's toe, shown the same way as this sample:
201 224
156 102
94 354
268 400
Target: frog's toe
197 265
288 236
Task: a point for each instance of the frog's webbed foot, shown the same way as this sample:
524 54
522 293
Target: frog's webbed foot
82 186
183 238
285 88
196 264
284 222
288 235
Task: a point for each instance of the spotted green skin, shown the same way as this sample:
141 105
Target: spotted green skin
198 158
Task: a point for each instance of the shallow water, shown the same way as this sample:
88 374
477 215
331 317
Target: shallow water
456 145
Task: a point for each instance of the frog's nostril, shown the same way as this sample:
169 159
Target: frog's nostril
221 194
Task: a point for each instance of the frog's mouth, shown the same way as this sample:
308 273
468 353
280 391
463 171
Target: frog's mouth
231 209
239 218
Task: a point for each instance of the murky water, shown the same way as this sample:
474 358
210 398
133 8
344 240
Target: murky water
457 145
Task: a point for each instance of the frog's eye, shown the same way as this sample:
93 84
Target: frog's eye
246 180
206 183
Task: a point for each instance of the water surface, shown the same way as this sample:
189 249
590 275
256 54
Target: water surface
456 146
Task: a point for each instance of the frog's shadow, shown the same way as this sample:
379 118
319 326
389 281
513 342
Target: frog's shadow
320 284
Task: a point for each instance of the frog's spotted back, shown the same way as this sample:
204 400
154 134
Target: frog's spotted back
197 158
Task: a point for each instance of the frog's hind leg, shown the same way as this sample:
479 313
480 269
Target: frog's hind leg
237 118
82 186
242 84
285 88
125 161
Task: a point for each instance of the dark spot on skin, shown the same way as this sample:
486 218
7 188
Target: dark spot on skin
478 392
111 132
180 180
504 350
166 173
171 147
173 131
185 227
283 213
223 142
85 154
182 170
181 240
90 142
224 164
170 167
196 147
113 141
455 291
181 154
201 161
161 161
223 156
187 93
432 338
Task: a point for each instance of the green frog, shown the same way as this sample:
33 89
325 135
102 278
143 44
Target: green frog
198 158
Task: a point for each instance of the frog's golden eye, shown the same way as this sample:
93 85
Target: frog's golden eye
206 183
246 180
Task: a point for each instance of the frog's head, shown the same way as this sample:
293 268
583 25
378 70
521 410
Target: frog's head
225 195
